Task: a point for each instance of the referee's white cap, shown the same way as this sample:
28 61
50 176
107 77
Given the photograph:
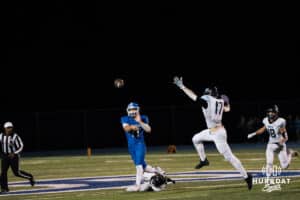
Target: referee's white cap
8 125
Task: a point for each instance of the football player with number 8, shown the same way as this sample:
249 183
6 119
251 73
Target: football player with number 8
275 126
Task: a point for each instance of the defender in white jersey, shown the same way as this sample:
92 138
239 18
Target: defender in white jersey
278 136
213 106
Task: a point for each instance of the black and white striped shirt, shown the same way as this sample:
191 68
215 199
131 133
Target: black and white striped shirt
11 143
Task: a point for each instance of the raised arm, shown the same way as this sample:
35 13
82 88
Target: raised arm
179 82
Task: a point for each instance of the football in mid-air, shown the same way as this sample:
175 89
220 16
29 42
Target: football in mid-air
119 83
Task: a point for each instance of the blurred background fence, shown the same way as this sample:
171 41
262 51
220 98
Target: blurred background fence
55 130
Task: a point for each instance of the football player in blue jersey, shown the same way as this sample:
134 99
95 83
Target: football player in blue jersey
135 125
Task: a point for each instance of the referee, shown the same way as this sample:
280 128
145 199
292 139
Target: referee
11 146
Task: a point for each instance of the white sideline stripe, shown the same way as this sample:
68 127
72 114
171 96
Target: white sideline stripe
113 179
116 176
122 187
52 186
215 186
72 178
170 173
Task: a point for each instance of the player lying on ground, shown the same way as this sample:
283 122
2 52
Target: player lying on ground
134 126
213 105
154 182
278 136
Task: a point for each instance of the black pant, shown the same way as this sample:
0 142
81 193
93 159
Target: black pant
14 163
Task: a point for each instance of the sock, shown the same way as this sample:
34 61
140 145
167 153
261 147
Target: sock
200 149
139 175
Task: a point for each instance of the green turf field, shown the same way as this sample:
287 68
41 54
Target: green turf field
120 164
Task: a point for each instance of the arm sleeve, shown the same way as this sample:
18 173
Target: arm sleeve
19 145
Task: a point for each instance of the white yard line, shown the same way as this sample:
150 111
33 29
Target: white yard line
172 173
185 176
215 186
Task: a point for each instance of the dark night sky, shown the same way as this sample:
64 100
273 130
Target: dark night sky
76 51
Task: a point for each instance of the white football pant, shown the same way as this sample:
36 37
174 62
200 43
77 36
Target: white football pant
219 137
283 157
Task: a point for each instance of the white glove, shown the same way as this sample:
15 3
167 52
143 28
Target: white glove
251 135
178 81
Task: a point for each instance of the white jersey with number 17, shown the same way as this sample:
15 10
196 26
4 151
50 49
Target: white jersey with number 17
214 111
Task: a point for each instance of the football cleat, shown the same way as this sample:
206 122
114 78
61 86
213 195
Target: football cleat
202 163
249 181
32 181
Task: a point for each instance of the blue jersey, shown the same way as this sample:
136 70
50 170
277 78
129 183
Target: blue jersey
139 135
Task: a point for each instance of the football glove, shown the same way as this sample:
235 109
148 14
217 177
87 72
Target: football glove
251 135
179 82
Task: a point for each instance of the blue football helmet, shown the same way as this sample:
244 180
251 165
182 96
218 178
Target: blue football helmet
133 109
